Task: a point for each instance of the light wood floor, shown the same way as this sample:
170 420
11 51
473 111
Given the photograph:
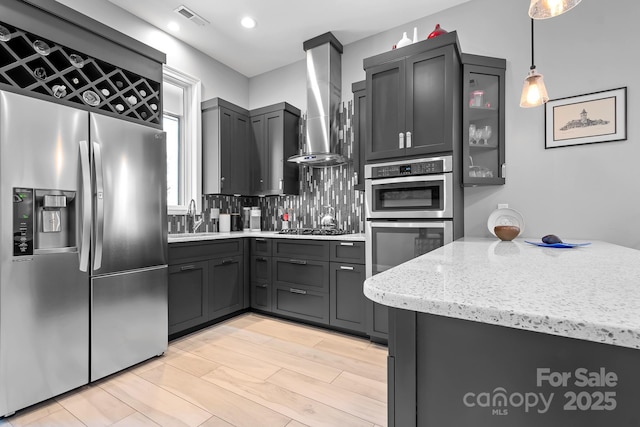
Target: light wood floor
250 371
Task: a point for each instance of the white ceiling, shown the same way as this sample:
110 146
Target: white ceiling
283 25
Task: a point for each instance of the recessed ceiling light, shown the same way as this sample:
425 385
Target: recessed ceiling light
173 26
248 22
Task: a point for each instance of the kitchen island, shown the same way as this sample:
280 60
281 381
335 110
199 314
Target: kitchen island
490 333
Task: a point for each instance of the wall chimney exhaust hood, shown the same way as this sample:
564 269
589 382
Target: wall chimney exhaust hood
324 87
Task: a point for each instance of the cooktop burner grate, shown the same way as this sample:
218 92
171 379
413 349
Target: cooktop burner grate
314 231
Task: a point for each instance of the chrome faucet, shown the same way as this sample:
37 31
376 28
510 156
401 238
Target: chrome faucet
192 224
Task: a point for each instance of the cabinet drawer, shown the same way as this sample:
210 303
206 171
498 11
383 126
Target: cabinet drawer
296 272
261 246
301 304
261 269
351 252
204 250
301 249
261 296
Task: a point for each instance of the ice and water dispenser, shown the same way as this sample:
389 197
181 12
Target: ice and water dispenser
43 221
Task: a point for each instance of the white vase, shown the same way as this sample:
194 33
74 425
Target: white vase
415 34
404 41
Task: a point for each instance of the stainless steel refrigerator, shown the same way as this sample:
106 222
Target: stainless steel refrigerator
83 248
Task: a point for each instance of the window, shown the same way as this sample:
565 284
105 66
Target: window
181 122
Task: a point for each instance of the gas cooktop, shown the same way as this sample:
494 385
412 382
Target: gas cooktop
314 231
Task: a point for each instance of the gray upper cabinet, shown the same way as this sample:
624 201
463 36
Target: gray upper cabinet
273 139
359 125
226 168
413 99
483 120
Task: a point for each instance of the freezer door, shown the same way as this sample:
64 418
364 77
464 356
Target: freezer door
44 297
129 319
130 196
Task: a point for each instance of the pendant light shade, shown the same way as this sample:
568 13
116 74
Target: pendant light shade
534 93
543 9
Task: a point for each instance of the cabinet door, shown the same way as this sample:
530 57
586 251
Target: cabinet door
429 107
359 124
260 147
234 152
377 321
386 111
187 295
348 303
274 127
483 125
226 290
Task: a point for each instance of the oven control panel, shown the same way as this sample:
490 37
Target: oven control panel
412 167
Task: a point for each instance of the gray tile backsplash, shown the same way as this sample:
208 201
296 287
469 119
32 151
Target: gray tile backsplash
319 187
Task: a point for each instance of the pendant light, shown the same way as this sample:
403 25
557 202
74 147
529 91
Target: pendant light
534 92
543 9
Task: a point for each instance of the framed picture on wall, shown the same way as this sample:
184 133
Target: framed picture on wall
586 119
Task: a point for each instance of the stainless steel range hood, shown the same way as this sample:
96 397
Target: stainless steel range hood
324 86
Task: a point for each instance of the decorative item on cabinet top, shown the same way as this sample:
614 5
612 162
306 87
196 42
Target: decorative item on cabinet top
32 64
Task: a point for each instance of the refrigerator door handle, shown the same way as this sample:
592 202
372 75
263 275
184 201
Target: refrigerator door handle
97 159
85 166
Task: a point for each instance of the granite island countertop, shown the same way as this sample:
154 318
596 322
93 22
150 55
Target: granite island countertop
590 293
194 237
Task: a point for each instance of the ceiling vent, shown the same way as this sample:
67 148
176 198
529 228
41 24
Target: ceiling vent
191 15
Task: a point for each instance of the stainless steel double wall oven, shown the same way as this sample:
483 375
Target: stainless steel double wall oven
410 210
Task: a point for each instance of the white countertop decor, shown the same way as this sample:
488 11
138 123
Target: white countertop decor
590 293
194 237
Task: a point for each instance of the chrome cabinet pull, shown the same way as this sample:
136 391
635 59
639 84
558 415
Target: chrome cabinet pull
187 267
346 267
298 261
408 139
262 285
401 140
260 239
346 243
227 261
297 291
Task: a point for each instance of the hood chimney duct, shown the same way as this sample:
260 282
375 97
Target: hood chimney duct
324 87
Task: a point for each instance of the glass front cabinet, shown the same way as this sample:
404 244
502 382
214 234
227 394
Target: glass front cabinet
483 120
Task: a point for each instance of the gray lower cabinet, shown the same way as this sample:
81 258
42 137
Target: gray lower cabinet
348 304
206 282
301 303
300 278
187 295
226 293
377 321
261 283
261 274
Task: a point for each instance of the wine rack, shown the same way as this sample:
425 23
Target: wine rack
38 65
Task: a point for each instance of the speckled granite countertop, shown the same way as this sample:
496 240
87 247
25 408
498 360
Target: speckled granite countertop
590 293
194 237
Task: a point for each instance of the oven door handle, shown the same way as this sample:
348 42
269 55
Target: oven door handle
417 178
408 224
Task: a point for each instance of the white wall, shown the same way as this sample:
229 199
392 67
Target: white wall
589 192
218 80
